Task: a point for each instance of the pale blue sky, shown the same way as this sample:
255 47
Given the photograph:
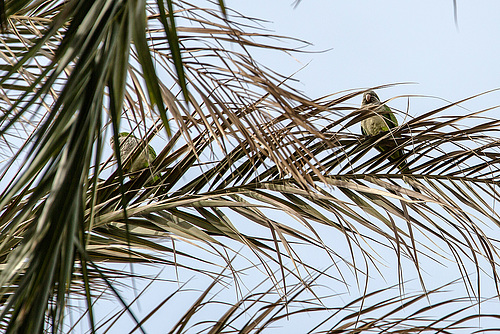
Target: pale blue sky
382 42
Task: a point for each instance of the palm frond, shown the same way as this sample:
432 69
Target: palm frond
246 161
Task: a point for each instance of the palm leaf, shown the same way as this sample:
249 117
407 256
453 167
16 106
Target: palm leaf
242 151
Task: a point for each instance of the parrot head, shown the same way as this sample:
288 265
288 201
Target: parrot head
120 136
370 97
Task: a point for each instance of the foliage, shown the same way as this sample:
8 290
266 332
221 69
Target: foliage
244 161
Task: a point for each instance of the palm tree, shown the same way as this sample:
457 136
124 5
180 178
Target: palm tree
253 177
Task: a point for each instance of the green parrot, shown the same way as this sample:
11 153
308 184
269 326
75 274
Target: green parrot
382 121
128 146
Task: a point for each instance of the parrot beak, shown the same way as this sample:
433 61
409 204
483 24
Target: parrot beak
368 97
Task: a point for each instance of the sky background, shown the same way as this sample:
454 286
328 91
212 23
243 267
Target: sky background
373 43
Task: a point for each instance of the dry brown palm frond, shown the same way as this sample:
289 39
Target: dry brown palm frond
261 308
246 162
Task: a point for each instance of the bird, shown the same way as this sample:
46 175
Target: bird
383 120
129 148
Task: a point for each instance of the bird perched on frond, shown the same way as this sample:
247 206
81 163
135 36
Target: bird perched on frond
130 147
383 120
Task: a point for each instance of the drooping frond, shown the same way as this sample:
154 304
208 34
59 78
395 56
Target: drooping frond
244 162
